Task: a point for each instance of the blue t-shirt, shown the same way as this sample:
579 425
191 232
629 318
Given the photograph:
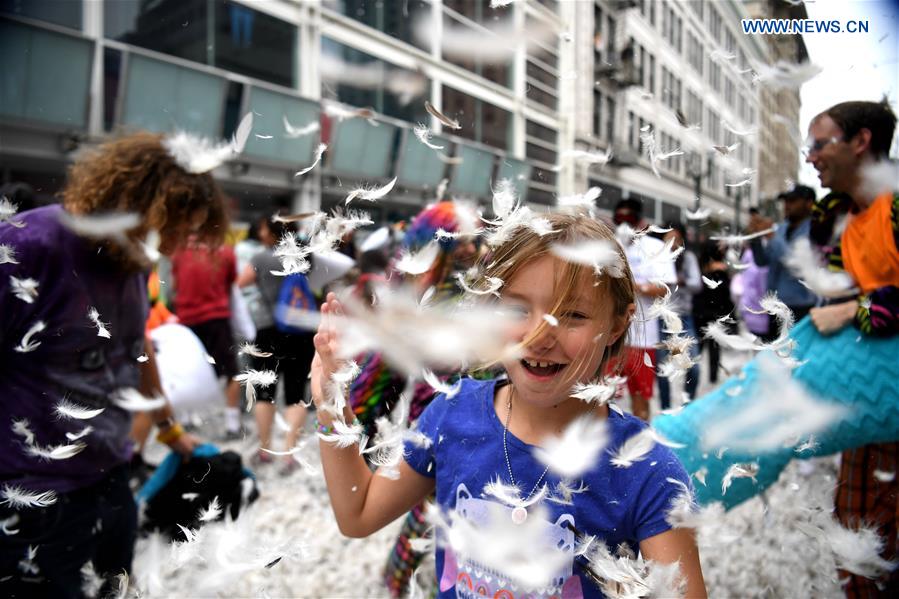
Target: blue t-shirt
620 505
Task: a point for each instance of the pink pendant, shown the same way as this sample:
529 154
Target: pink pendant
519 515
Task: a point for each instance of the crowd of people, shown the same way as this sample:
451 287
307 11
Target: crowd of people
77 316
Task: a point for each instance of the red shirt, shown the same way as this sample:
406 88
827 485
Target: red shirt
203 279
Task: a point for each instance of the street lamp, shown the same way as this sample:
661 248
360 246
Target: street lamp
696 171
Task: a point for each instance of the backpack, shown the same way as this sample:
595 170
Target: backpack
195 484
296 310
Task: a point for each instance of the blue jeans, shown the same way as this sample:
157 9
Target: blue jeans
96 524
692 381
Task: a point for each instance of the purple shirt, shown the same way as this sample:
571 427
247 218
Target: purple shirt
72 361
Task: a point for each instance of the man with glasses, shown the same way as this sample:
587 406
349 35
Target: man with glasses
846 141
773 252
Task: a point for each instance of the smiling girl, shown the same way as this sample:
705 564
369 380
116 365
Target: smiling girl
569 322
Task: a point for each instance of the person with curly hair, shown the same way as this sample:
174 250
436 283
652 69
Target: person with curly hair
73 294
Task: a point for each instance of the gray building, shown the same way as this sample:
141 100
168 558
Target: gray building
573 76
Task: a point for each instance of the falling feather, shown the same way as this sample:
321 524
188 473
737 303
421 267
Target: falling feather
100 226
132 400
576 450
416 263
551 320
66 409
16 497
424 136
599 392
7 254
698 214
785 74
319 151
878 178
94 316
492 286
370 194
590 158
26 344
344 435
293 132
505 198
24 289
710 283
292 256
749 470
7 211
292 218
342 113
439 386
634 449
198 155
255 378
495 45
586 200
804 263
55 452
251 350
725 150
212 512
445 120
603 255
80 434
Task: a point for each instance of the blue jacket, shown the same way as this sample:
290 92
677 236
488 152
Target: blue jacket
780 279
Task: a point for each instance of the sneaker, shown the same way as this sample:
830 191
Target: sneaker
261 458
288 467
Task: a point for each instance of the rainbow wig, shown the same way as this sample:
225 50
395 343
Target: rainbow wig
426 224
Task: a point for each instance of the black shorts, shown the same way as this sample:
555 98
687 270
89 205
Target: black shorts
218 340
291 359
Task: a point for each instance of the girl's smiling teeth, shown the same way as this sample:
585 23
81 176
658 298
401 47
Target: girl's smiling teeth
541 368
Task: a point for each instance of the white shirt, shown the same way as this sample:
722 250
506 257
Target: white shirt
643 255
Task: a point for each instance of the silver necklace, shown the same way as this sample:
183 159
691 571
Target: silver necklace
519 513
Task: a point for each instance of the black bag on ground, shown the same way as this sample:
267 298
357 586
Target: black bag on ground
196 484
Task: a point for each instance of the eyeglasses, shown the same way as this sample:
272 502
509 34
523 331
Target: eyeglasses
813 146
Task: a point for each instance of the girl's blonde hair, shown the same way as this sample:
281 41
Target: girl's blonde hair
525 245
135 173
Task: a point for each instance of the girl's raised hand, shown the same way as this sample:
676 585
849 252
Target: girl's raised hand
325 363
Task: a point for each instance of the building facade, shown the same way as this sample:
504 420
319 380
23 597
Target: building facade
528 84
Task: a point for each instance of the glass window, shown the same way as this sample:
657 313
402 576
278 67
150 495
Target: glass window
67 14
481 121
474 175
417 164
218 33
362 149
60 94
271 108
516 171
112 74
359 79
160 96
396 19
480 13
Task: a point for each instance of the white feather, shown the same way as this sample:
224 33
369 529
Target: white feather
255 378
26 344
16 497
94 316
784 74
599 392
879 177
416 263
494 45
132 400
66 409
99 226
212 512
590 158
292 132
319 151
56 452
370 194
492 287
7 211
198 155
424 136
24 289
698 214
436 384
804 263
603 255
586 200
251 350
749 471
576 450
344 435
634 449
80 434
7 254
710 283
